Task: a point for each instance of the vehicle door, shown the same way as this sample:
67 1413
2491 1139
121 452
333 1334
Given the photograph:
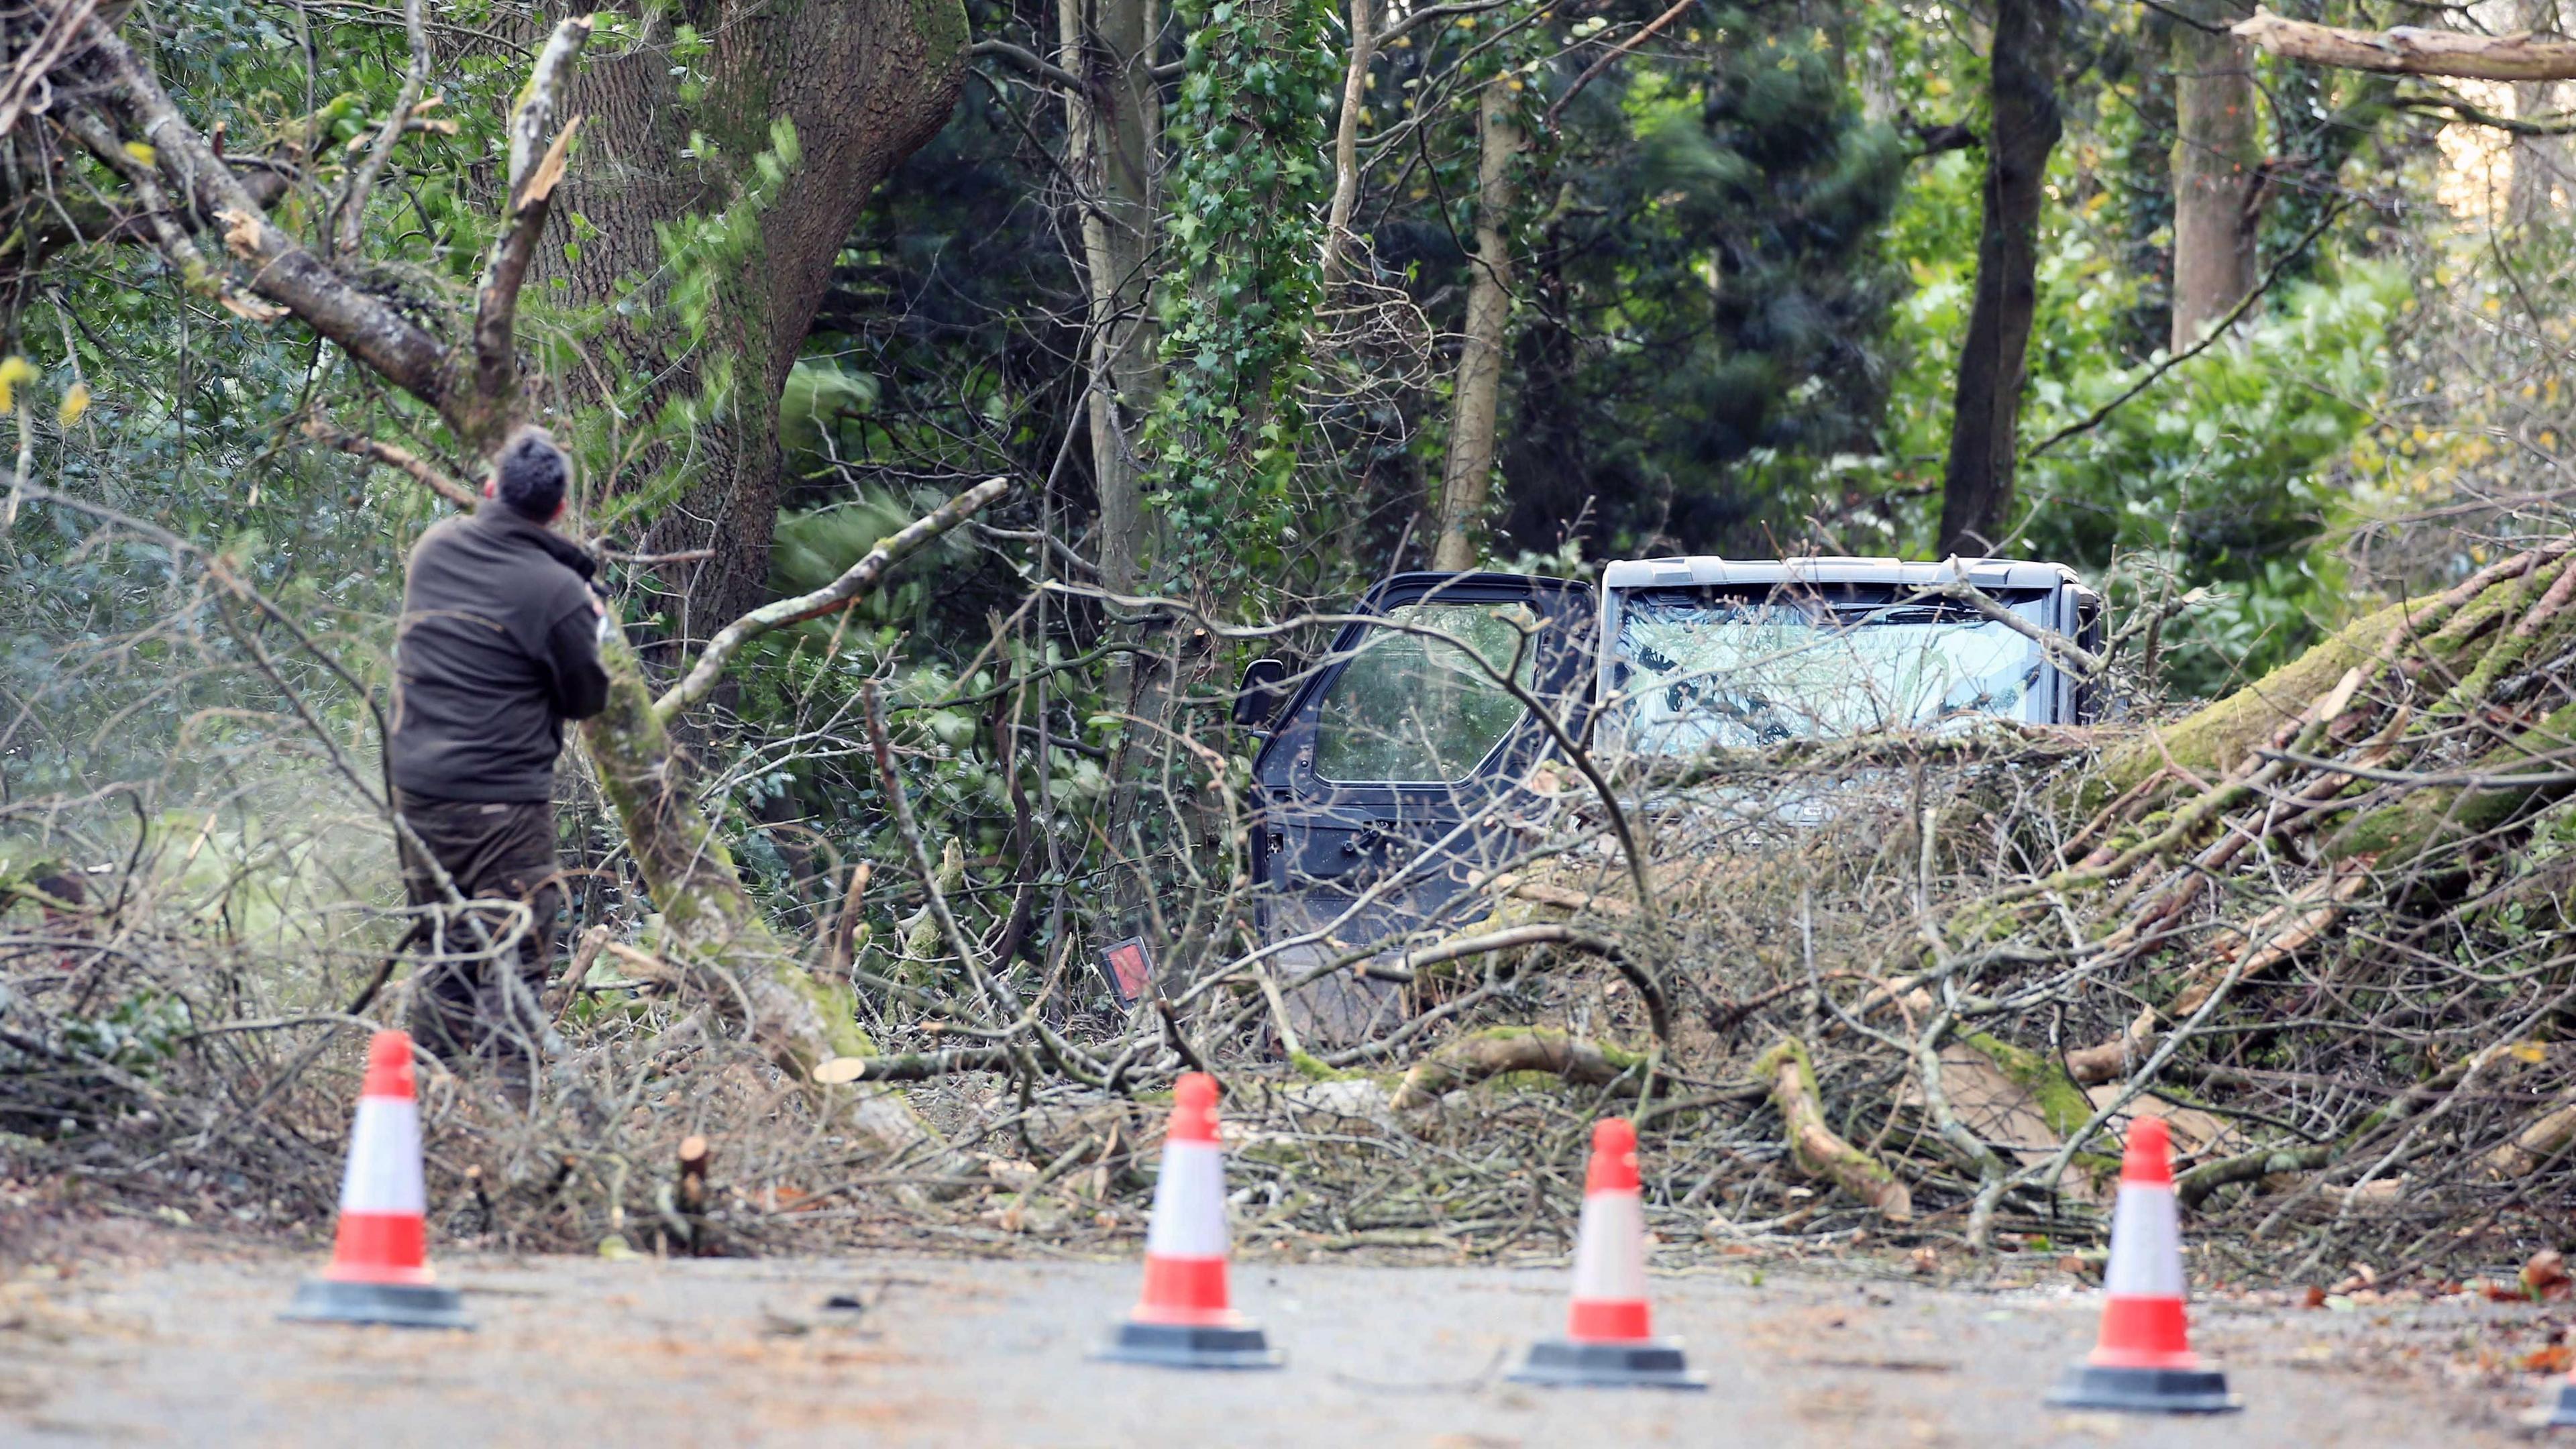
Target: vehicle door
1396 772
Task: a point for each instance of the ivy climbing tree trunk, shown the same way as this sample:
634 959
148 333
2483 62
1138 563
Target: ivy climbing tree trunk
1467 480
1977 486
1241 222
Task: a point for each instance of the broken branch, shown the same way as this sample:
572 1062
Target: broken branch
840 593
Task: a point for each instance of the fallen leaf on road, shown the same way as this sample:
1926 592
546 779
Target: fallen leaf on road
2551 1360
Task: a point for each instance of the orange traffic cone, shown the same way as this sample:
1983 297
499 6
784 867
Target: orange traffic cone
1609 1333
1185 1319
2144 1359
379 1269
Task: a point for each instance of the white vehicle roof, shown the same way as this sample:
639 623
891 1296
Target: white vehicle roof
1988 573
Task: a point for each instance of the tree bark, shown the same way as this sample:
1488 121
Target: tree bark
2218 156
2541 164
1977 487
1346 143
1467 480
1113 129
865 83
2408 50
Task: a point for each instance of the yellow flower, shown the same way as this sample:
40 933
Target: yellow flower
142 153
75 402
13 371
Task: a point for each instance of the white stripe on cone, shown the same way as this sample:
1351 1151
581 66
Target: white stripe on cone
2146 1245
1189 1203
1610 1249
384 1159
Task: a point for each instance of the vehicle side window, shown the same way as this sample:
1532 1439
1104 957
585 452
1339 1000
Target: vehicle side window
1414 709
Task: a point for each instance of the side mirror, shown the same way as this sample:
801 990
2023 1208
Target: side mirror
1261 695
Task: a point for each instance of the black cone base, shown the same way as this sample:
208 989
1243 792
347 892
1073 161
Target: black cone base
1649 1363
403 1305
2558 1411
2144 1390
1174 1345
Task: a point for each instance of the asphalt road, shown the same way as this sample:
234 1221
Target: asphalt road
952 1352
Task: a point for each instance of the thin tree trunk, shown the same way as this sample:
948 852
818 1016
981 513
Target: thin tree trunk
2540 163
1113 133
1977 487
1346 142
1467 481
2218 156
2147 187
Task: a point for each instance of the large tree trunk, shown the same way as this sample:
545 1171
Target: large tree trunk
1977 487
2218 156
865 83
1466 482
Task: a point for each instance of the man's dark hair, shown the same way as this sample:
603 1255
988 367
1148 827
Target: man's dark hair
530 472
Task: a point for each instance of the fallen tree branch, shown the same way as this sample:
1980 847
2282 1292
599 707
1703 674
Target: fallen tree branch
912 1066
1649 990
1815 1147
840 593
1496 1051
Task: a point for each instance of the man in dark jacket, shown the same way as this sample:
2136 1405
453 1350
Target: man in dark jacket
498 646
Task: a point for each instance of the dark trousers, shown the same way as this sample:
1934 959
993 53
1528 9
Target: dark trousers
468 1003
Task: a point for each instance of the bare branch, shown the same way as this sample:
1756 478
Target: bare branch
27 78
1346 141
1428 14
2063 652
353 204
534 115
2209 339
422 471
840 593
2410 50
1031 63
1647 32
2460 110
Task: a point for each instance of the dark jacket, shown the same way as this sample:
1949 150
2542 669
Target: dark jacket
498 646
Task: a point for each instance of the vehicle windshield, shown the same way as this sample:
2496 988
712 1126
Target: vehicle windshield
1417 709
1695 671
